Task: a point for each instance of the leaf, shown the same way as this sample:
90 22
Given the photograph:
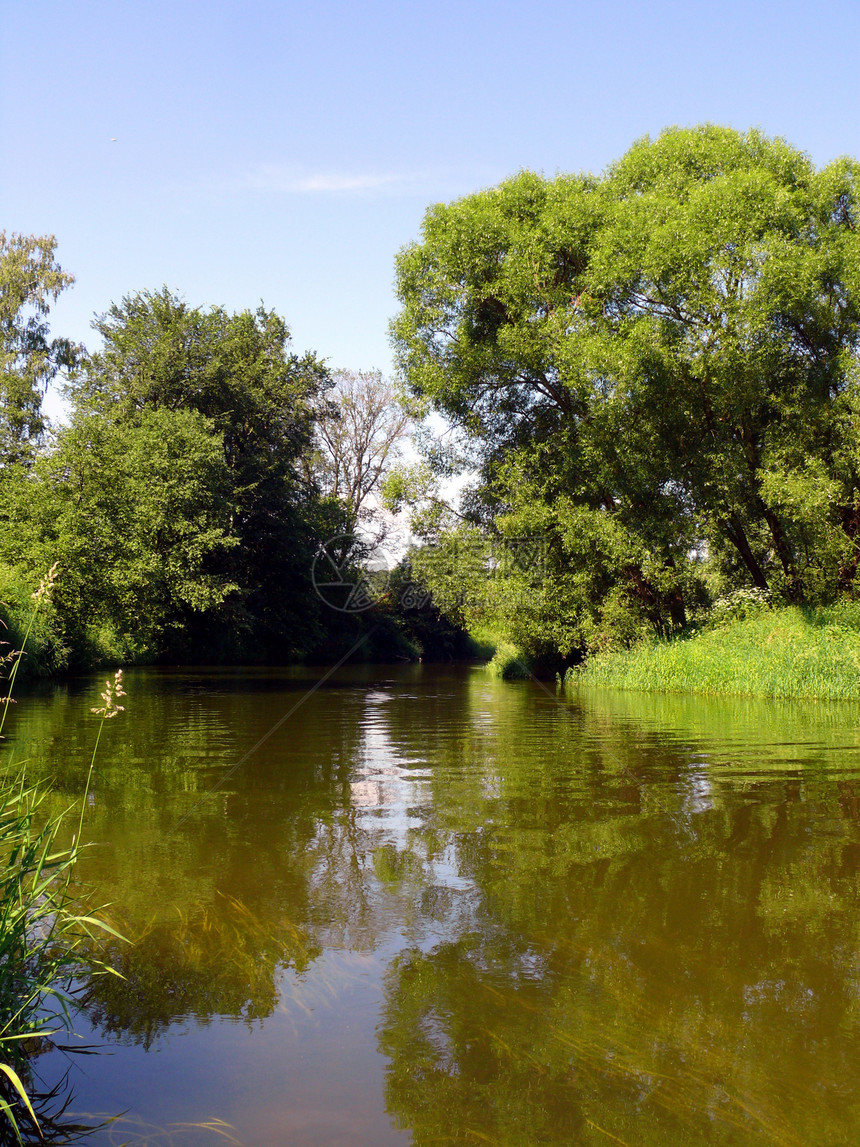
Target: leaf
19 1087
99 924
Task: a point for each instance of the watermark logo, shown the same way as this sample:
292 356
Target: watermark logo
348 578
351 574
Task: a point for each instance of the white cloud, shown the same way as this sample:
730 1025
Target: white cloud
277 177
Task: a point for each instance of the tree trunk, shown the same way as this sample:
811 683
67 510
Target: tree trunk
675 601
780 544
736 535
850 518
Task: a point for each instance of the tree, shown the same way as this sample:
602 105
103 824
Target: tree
261 400
29 280
138 517
358 440
640 366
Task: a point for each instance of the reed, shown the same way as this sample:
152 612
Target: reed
46 933
43 930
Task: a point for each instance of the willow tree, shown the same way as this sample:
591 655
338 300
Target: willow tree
653 367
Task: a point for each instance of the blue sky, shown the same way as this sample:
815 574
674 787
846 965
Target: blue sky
284 152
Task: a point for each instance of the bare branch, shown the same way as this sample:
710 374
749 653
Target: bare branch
359 441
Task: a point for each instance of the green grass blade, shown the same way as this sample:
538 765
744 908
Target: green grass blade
19 1087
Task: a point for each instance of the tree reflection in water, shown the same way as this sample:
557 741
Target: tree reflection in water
635 918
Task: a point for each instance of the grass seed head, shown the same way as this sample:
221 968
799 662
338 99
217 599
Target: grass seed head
113 691
46 585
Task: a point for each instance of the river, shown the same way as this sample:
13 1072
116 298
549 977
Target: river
432 908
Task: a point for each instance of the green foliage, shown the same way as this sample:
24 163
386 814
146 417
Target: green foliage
427 632
738 606
416 486
137 514
179 501
260 400
654 370
46 652
29 359
509 663
750 649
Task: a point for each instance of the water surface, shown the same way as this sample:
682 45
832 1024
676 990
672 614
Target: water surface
435 909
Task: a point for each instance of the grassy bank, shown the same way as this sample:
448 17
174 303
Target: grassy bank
786 652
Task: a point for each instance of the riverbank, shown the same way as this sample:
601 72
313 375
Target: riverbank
792 651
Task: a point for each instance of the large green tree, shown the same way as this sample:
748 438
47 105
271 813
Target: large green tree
238 371
138 517
650 368
179 500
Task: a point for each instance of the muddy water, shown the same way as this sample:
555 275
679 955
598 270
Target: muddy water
434 909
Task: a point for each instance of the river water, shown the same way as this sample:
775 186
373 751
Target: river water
432 908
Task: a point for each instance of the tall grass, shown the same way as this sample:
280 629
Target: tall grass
42 933
786 652
44 926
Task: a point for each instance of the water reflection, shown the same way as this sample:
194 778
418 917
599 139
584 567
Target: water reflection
472 912
220 959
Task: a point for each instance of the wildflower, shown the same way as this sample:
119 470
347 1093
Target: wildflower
46 585
113 691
